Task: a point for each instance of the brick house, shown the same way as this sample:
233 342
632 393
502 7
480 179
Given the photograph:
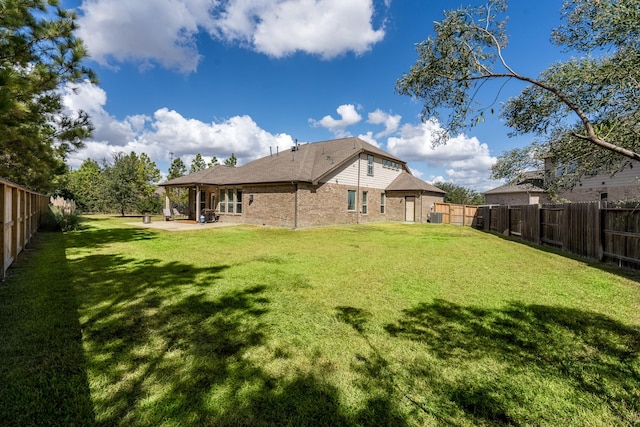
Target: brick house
527 191
341 181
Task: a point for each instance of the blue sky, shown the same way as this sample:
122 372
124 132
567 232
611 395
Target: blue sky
180 77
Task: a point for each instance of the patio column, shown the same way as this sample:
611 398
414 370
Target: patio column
197 203
167 200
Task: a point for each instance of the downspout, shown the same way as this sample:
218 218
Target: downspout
358 192
295 205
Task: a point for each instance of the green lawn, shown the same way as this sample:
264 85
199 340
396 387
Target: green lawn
387 324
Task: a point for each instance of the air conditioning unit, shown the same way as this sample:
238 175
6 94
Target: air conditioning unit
435 217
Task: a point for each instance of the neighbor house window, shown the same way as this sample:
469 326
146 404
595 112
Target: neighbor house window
351 200
223 204
381 203
370 165
239 201
364 202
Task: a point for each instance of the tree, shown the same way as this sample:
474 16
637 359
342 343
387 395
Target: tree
180 196
459 195
197 164
176 169
87 186
130 183
231 161
39 55
214 161
600 90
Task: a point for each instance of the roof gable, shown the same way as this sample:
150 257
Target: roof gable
407 182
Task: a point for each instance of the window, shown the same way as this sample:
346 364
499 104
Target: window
370 165
223 204
230 200
351 200
381 203
238 201
364 202
604 197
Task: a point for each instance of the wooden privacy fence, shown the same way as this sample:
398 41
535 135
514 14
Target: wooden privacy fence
456 214
21 211
593 230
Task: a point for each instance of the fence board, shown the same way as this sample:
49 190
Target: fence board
21 211
621 236
456 214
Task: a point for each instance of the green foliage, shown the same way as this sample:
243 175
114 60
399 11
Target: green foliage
231 161
39 55
176 169
63 215
197 164
214 161
130 182
586 110
459 195
87 185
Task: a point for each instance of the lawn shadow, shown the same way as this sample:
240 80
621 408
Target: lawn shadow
589 354
89 235
377 379
166 343
43 377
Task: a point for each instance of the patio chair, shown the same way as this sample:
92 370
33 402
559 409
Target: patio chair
176 212
167 214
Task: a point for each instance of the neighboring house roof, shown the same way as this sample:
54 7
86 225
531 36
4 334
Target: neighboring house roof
406 181
524 187
307 163
530 182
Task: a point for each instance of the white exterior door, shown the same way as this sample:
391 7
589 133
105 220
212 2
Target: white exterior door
410 209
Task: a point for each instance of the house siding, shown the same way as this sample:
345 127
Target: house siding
625 185
348 174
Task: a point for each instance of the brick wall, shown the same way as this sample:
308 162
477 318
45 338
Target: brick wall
324 204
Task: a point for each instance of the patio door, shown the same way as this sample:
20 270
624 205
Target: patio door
410 209
212 204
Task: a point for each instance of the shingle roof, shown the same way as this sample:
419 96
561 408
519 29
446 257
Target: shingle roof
406 181
308 163
524 187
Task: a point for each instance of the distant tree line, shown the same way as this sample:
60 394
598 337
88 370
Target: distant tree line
459 195
127 183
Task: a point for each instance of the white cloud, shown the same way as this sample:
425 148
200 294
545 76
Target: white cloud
348 116
467 161
390 122
163 32
168 132
368 137
324 27
149 33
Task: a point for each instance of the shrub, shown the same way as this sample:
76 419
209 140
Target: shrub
63 215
